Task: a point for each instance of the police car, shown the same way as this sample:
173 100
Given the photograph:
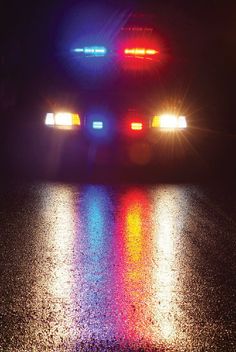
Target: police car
128 120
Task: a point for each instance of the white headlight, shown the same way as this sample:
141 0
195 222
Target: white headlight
62 120
49 120
169 122
182 123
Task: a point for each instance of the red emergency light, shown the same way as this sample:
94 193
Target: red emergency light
136 126
140 52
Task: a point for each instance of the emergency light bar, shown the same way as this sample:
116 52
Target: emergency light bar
140 52
92 51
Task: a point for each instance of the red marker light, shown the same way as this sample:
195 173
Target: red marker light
151 52
136 126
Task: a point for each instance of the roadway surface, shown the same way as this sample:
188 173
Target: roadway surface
117 268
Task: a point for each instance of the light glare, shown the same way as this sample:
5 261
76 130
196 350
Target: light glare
63 119
169 122
182 123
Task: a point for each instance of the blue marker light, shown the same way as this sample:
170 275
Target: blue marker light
97 125
92 50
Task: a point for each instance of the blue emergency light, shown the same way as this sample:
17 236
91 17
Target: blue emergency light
92 51
97 125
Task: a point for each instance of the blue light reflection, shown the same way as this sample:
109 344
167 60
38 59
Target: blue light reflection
97 264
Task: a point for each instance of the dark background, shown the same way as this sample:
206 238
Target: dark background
198 43
200 38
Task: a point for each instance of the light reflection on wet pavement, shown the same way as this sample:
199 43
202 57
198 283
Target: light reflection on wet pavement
102 268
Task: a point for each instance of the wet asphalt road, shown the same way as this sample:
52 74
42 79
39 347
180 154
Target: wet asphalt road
117 268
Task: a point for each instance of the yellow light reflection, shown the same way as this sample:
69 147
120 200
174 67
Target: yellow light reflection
134 232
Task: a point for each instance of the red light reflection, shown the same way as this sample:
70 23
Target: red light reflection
133 275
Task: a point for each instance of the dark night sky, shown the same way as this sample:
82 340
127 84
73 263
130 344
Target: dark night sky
201 36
